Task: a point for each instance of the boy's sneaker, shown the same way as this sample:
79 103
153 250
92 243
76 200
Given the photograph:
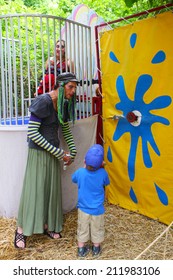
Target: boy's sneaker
83 251
96 250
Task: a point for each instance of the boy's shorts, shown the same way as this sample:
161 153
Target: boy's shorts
90 227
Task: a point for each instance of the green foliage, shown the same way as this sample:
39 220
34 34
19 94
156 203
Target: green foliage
145 4
109 10
33 3
130 3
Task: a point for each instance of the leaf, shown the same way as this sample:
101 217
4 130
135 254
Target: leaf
129 3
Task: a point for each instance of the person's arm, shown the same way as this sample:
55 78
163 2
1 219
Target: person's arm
106 180
70 64
67 134
36 137
49 61
73 177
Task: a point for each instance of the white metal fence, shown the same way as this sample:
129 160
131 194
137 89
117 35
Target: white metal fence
26 42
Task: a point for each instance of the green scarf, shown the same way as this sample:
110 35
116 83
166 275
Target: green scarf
65 108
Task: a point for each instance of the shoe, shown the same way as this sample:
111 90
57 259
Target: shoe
52 233
19 237
83 251
96 250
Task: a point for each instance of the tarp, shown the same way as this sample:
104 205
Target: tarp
137 61
84 133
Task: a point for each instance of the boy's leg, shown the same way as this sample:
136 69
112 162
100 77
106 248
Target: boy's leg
97 233
83 233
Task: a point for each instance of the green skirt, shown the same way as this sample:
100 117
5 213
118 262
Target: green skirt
41 198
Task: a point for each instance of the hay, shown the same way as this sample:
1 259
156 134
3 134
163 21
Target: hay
127 235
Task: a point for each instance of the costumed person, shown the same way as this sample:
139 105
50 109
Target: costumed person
91 181
58 64
40 209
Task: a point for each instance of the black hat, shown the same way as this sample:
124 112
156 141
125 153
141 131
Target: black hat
67 77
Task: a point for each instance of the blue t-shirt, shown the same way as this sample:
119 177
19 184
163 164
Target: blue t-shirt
91 193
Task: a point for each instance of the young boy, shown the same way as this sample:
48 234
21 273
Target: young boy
91 181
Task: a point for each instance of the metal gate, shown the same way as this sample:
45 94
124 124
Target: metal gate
26 42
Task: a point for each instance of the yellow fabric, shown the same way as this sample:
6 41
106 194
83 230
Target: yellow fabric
139 53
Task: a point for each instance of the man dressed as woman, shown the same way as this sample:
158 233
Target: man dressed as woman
40 209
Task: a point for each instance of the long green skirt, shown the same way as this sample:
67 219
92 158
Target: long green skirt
41 198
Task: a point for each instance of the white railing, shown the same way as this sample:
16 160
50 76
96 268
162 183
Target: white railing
26 42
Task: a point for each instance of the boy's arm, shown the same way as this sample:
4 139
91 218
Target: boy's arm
106 181
74 178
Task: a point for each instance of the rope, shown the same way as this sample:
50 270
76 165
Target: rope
165 231
166 239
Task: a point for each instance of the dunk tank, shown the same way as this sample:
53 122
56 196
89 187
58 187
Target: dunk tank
26 42
135 63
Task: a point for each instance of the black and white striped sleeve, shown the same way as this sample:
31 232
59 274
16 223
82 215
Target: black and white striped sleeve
36 137
67 134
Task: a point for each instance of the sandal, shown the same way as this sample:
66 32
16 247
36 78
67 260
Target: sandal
52 233
19 237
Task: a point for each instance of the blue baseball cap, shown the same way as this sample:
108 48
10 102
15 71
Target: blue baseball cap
94 156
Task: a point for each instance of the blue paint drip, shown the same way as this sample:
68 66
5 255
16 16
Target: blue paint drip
159 57
133 196
113 57
162 195
133 40
109 155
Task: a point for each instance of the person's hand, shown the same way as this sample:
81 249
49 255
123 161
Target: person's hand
67 158
51 62
103 164
97 91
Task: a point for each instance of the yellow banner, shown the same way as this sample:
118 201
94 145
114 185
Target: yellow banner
137 88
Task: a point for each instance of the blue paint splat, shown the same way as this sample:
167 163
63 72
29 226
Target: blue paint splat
133 40
133 196
159 57
113 57
162 195
144 130
109 155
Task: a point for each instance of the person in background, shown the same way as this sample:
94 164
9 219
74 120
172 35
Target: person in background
63 64
91 181
40 209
